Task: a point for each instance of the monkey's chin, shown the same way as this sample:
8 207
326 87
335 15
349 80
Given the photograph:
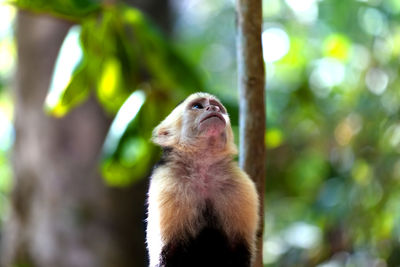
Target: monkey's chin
212 127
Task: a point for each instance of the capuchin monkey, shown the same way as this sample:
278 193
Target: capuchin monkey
202 208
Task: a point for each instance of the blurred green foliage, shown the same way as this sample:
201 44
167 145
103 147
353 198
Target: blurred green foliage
7 57
75 10
122 52
333 99
134 155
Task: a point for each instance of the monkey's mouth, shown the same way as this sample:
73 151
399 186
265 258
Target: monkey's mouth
213 115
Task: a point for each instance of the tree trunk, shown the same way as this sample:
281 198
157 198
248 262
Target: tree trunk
62 214
59 202
252 102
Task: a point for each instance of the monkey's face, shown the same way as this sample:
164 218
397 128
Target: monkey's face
204 117
201 120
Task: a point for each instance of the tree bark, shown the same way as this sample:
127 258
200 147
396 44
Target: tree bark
59 203
252 102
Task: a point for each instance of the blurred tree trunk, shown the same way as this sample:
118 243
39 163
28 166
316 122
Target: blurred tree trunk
61 212
252 102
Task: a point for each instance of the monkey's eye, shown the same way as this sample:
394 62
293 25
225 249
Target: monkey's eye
197 106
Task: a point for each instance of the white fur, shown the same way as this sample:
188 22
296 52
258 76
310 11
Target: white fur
153 234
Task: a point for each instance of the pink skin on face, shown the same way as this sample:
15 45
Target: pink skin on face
212 121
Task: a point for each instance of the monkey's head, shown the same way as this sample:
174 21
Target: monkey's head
199 123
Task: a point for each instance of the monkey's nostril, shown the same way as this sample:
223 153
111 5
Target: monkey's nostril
212 108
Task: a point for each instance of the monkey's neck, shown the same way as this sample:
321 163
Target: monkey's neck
210 147
201 160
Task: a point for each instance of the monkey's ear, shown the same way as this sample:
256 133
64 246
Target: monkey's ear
163 137
166 134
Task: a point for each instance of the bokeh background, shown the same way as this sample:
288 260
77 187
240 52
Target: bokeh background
333 102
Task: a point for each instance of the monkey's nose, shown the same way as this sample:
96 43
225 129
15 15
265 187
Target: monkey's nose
212 108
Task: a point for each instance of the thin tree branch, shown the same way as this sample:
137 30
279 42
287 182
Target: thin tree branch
252 102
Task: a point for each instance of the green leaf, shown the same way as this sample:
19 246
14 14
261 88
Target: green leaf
165 65
135 154
75 93
70 9
69 84
110 87
123 52
134 162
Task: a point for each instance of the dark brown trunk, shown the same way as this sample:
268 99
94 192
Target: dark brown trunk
252 102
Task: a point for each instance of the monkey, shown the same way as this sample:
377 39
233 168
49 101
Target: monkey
202 208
